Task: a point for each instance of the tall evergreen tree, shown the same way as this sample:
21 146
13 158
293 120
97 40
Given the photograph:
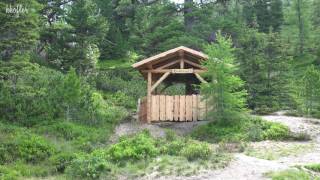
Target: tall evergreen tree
269 15
157 28
297 31
223 93
89 27
264 66
316 31
70 93
307 92
19 28
115 44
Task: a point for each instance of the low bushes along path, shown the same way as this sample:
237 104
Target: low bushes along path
243 166
246 167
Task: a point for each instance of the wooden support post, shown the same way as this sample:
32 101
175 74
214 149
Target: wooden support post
181 59
181 64
149 97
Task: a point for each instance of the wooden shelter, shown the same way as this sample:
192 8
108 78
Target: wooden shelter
178 65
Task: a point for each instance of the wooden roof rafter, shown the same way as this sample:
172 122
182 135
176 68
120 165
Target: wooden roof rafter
179 52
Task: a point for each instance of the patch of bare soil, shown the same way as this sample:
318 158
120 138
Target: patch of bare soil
132 126
298 124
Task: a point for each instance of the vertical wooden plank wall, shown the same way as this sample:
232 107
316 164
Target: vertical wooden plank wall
194 107
188 108
177 108
162 104
155 108
182 109
169 108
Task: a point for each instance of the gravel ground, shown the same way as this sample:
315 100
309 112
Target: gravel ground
156 129
298 124
243 167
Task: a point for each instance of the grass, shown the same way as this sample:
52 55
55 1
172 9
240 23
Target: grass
275 150
242 128
166 165
313 167
291 174
65 137
114 64
172 160
141 154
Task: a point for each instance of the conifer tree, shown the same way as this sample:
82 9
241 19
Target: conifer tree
70 92
269 15
19 28
224 93
153 32
306 92
89 27
264 65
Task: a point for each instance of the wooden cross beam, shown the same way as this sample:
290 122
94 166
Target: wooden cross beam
180 71
193 64
168 65
200 78
163 77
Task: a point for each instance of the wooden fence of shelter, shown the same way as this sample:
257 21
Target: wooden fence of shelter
178 65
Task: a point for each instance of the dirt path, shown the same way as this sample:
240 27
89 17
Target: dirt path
243 167
156 129
298 124
246 167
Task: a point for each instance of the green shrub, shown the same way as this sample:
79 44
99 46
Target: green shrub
216 132
170 135
66 130
290 174
246 128
89 166
255 132
27 147
264 109
98 112
8 174
119 98
61 161
128 82
173 147
140 147
42 169
196 150
313 167
276 131
26 99
38 94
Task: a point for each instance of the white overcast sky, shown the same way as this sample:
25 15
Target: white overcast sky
178 1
